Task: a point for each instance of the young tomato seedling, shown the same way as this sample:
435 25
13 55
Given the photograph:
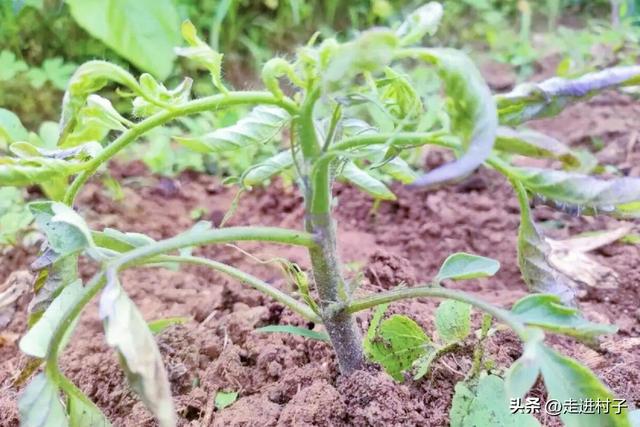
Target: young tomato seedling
353 113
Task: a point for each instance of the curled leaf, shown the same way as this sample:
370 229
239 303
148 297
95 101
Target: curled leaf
534 144
37 340
127 331
473 113
615 196
22 172
537 100
273 70
453 320
261 125
533 256
363 180
156 97
570 257
90 77
200 53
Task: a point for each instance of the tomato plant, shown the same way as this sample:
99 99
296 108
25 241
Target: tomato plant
328 108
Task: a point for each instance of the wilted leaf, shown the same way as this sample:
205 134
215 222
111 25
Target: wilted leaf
488 405
15 286
547 312
453 320
588 194
568 380
127 331
224 399
534 144
66 231
524 372
533 253
259 126
294 330
40 404
37 340
536 100
473 113
569 256
462 266
22 172
363 180
396 343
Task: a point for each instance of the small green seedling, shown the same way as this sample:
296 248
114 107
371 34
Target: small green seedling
351 112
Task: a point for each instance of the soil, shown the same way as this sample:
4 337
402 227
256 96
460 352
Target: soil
291 381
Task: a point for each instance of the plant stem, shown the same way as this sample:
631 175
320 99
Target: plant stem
437 292
191 107
218 235
245 278
340 325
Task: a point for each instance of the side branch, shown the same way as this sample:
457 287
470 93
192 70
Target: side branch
296 306
436 292
220 235
159 119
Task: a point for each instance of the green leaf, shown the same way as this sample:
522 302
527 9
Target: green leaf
462 266
399 170
37 340
118 241
371 51
294 330
127 331
547 312
524 372
202 54
488 405
11 128
566 379
534 144
453 320
260 126
40 404
224 399
10 66
363 180
472 111
396 344
268 168
22 172
142 31
82 411
585 192
533 255
66 231
159 325
537 100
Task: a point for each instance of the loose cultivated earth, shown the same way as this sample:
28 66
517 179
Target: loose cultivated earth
289 380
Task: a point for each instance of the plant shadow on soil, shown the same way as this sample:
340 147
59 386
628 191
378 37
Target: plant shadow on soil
287 380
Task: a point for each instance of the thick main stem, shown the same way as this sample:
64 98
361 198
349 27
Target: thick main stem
341 327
